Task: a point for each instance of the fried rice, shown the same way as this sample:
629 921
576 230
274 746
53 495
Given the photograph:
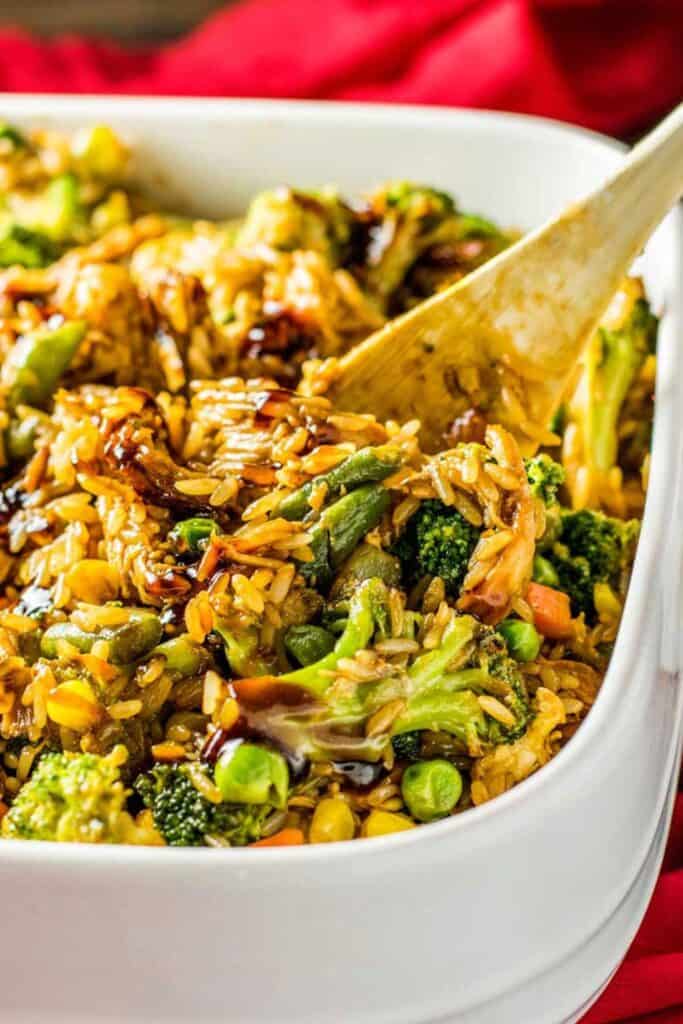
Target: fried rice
231 614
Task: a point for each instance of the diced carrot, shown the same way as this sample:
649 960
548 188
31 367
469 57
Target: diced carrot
552 612
263 691
286 837
3 809
254 689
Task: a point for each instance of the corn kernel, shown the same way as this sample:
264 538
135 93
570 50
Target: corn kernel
332 822
383 823
100 151
73 705
93 580
607 603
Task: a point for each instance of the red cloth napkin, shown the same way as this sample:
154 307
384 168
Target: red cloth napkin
612 65
651 978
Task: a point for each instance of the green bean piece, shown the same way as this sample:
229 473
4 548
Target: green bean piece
545 572
340 529
351 517
318 571
365 563
38 360
182 654
247 774
366 466
191 534
308 644
524 643
127 643
431 789
20 437
134 639
69 632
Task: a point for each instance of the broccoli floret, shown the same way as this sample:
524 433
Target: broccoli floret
574 577
289 219
591 548
184 817
545 478
56 211
620 354
19 246
407 745
411 217
72 798
492 655
607 544
437 541
613 360
438 693
421 200
443 684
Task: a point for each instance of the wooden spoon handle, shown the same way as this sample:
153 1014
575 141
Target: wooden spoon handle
524 316
649 182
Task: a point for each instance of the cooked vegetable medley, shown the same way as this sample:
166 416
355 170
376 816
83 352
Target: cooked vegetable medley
231 615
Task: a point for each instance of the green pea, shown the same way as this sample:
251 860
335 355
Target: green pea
247 774
182 655
544 572
190 534
523 641
308 644
431 789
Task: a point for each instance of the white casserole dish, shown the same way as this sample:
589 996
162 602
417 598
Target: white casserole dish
518 910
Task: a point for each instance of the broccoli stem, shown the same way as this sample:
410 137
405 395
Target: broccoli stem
363 616
242 651
613 378
430 668
457 713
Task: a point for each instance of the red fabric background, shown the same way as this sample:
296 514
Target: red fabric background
612 65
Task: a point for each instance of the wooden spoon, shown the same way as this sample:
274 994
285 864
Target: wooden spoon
507 338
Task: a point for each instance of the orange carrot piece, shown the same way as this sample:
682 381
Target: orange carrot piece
253 688
552 612
286 837
263 691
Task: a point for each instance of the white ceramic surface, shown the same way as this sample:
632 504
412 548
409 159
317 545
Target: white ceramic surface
517 911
